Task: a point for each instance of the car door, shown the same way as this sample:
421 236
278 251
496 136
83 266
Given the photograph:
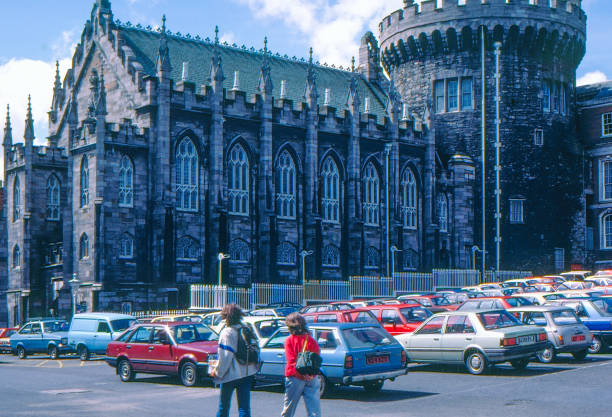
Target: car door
159 352
391 321
101 337
458 334
273 357
137 348
36 339
24 337
426 343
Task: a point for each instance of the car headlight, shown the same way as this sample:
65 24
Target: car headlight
64 341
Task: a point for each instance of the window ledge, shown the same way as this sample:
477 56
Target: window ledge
127 205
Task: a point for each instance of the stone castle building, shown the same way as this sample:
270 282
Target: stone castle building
165 150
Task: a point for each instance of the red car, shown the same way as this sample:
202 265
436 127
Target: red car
178 348
400 318
357 315
5 334
435 303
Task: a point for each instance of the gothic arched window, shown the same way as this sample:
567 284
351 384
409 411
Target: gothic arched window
286 254
372 260
126 247
442 213
331 256
239 251
187 249
16 257
285 186
84 181
83 246
53 198
411 260
16 199
330 191
408 200
371 195
238 180
186 176
126 182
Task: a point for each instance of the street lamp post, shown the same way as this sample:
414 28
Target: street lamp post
387 152
221 256
304 254
393 250
74 286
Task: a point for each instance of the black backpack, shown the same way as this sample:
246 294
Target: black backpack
247 351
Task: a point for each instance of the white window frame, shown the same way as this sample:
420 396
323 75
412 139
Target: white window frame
606 124
286 186
602 179
517 210
464 94
187 187
330 191
439 97
126 182
604 242
538 137
371 195
238 181
456 96
546 96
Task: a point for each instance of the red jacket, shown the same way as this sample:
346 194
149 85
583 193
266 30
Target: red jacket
293 345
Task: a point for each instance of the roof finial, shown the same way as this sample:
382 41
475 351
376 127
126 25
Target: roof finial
216 35
266 45
8 133
164 23
310 56
8 117
28 135
353 64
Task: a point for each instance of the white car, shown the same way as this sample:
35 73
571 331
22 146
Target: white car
262 327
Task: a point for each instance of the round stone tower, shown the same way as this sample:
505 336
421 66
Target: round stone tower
432 49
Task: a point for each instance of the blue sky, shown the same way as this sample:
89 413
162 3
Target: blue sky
34 36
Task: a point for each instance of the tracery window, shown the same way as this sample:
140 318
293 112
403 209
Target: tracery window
286 254
330 191
84 181
408 200
371 195
126 247
331 256
16 257
239 251
443 213
126 182
285 186
372 260
238 180
186 175
187 249
83 246
16 199
53 198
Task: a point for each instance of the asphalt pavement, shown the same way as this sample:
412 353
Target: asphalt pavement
38 386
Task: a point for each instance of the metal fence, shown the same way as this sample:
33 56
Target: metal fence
371 287
321 291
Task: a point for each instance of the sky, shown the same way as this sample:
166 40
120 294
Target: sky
36 33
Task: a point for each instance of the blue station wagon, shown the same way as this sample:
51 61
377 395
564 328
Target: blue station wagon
353 354
41 336
92 332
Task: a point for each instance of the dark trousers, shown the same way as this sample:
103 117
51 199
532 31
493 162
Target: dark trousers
243 394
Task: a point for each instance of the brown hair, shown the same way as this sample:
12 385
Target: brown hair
232 314
296 323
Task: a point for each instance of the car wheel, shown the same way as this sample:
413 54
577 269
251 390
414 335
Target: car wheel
83 353
53 352
520 363
547 355
580 355
125 371
373 386
189 374
21 352
475 362
596 345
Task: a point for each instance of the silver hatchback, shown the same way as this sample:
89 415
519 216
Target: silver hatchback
566 333
475 338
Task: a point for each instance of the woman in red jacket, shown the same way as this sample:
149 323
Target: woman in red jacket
296 384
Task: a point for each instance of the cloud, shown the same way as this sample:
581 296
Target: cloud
228 37
333 27
592 78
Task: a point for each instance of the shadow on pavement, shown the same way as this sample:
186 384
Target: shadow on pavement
533 369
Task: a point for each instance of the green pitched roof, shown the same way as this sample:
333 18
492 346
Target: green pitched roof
198 54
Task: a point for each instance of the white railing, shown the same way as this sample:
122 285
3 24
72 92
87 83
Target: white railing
371 287
320 291
264 294
405 282
498 276
455 277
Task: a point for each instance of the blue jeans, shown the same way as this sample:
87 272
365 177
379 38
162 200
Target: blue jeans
243 393
296 388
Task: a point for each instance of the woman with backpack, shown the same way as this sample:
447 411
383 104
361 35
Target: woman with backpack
232 371
296 384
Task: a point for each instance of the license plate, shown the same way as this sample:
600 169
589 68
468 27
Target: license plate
525 340
373 360
578 338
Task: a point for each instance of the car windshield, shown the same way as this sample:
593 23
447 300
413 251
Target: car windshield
564 317
412 314
360 317
120 325
265 329
284 311
366 337
55 326
518 301
425 302
195 332
604 305
497 320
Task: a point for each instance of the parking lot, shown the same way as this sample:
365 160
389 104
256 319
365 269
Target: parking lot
39 386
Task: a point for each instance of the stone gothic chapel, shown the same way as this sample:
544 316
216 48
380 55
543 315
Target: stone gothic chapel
165 150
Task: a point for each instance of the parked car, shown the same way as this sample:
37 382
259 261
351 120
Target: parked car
41 336
475 338
575 285
600 281
540 298
272 312
357 315
597 319
435 303
352 353
400 318
92 332
575 275
344 305
180 348
5 342
262 327
213 320
193 318
490 303
566 333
